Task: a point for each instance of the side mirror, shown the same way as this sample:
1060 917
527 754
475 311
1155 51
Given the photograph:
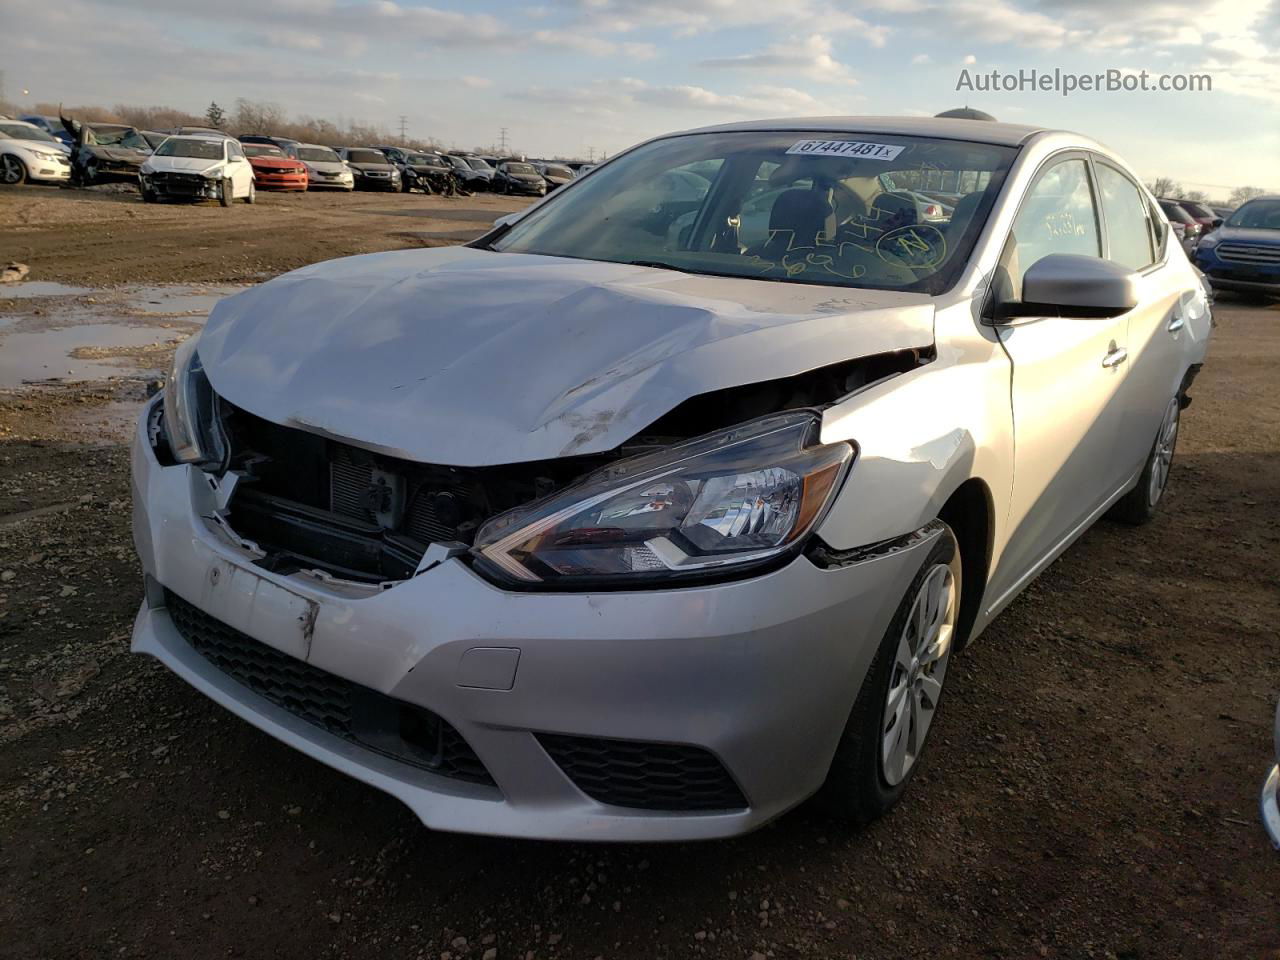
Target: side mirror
1069 285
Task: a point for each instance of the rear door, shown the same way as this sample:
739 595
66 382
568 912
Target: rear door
1066 382
1156 330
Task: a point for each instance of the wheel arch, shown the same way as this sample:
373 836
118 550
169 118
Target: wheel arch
969 511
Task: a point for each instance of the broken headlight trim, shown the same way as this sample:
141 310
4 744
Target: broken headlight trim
194 434
733 499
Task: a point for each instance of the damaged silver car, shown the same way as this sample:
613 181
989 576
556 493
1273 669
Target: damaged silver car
665 505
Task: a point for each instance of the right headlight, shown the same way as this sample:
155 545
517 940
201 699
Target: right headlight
190 421
738 498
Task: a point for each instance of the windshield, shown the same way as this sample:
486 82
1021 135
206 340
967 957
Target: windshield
108 136
1260 214
555 170
366 156
199 149
425 160
477 163
1175 212
780 206
261 150
520 168
318 155
20 131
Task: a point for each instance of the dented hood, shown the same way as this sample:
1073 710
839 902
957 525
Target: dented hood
468 357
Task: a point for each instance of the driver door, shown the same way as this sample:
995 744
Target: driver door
1066 383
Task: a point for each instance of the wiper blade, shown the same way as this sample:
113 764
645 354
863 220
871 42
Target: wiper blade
659 264
487 241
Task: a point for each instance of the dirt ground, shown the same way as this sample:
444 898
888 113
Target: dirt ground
1091 791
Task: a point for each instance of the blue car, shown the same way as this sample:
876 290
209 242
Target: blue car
1243 254
52 126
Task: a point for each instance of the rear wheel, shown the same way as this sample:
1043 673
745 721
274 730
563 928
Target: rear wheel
1139 505
891 719
12 170
253 193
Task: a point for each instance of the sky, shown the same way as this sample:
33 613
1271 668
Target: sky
586 77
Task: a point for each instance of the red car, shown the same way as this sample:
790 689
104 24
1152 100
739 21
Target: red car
273 169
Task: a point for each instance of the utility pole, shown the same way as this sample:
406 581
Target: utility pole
502 142
404 124
591 154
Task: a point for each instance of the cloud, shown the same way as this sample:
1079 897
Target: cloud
969 60
810 57
920 58
476 83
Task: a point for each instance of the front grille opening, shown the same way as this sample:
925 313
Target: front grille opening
645 776
402 731
313 503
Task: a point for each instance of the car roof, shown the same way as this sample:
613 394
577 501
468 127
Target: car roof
22 123
947 128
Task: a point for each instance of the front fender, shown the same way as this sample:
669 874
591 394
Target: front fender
920 436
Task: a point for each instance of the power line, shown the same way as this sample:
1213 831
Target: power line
502 140
404 126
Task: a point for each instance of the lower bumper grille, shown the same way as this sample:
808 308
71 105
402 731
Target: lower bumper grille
645 776
391 727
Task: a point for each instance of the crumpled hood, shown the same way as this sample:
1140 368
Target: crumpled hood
119 154
468 357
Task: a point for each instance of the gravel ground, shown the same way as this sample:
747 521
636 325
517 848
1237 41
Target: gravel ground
1091 789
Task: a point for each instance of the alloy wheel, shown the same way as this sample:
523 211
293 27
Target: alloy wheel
919 668
1162 455
11 169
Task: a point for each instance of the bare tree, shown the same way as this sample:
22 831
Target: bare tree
1199 196
254 116
1165 187
1241 194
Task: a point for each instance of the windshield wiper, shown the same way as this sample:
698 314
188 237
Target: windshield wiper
487 241
659 264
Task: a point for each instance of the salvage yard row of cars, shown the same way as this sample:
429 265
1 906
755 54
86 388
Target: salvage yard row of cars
63 150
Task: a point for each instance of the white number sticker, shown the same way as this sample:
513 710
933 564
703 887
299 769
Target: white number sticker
845 148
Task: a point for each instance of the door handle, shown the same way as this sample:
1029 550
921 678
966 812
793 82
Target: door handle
1176 323
1117 356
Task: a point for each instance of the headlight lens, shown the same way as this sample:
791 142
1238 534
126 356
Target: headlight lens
214 173
732 499
190 425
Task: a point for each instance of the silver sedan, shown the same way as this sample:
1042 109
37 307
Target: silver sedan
666 504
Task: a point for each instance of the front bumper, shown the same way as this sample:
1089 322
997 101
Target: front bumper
50 171
279 181
367 182
192 186
759 673
1237 276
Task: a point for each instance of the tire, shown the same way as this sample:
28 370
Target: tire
874 761
12 170
1139 505
253 193
90 174
226 194
148 196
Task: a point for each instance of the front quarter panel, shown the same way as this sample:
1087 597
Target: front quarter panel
921 435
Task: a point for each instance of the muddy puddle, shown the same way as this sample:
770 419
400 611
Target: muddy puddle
54 333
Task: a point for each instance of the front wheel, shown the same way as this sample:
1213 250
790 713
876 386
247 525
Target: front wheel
12 170
894 712
226 195
1138 506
